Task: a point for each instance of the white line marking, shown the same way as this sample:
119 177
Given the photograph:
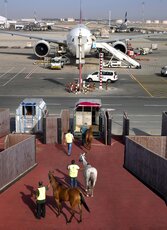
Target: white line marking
112 104
30 73
155 105
53 104
7 72
14 77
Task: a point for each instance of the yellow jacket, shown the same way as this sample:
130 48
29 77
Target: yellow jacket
42 193
69 138
73 170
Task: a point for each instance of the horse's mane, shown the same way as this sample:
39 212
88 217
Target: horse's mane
59 183
90 128
89 166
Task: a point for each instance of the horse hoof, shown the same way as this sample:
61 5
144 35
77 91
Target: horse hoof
68 221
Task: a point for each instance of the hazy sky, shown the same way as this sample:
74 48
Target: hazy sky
137 9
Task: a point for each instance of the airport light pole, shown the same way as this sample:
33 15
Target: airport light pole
6 11
80 55
109 23
100 69
80 59
143 4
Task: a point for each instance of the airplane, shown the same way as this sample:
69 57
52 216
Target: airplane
38 26
42 48
122 27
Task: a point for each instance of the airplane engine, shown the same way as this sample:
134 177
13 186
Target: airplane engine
42 48
120 46
132 29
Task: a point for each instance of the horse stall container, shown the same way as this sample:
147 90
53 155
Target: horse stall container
87 111
29 115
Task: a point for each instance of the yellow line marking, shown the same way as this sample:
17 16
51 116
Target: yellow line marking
133 77
165 80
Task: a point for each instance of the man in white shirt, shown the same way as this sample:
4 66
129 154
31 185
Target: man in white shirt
69 140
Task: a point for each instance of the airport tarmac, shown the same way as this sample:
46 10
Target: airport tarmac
21 75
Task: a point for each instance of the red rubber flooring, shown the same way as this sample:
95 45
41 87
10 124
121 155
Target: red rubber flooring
120 201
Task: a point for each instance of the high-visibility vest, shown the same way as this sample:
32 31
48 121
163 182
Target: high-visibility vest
42 193
73 170
69 138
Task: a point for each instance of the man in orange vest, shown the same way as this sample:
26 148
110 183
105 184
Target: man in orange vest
41 199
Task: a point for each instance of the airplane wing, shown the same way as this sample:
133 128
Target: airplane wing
124 37
62 27
32 36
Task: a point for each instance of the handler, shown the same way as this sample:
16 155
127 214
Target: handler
73 173
83 130
41 199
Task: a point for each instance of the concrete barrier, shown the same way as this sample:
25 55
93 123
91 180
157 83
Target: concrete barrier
164 124
4 122
17 159
146 158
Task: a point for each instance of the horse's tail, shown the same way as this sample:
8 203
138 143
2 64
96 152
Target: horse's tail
83 202
92 179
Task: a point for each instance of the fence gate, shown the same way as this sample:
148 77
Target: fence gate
105 122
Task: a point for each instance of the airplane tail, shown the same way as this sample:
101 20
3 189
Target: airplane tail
126 18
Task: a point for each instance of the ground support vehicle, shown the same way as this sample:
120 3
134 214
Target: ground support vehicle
108 76
56 63
164 71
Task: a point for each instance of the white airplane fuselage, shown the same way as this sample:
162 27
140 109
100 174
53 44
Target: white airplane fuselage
83 31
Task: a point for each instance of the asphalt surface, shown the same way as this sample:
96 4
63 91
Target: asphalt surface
140 93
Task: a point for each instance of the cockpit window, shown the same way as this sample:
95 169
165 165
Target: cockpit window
73 40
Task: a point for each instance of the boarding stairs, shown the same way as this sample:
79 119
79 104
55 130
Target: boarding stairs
117 54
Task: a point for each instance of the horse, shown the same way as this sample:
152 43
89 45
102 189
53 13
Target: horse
90 175
89 137
64 194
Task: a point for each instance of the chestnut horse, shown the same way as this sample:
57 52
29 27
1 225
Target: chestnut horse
89 137
63 194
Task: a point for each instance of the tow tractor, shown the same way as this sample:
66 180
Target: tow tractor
56 63
59 62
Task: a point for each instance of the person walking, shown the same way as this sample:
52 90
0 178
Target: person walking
73 173
41 199
69 140
83 130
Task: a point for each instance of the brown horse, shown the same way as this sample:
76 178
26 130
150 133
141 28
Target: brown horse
63 194
89 137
